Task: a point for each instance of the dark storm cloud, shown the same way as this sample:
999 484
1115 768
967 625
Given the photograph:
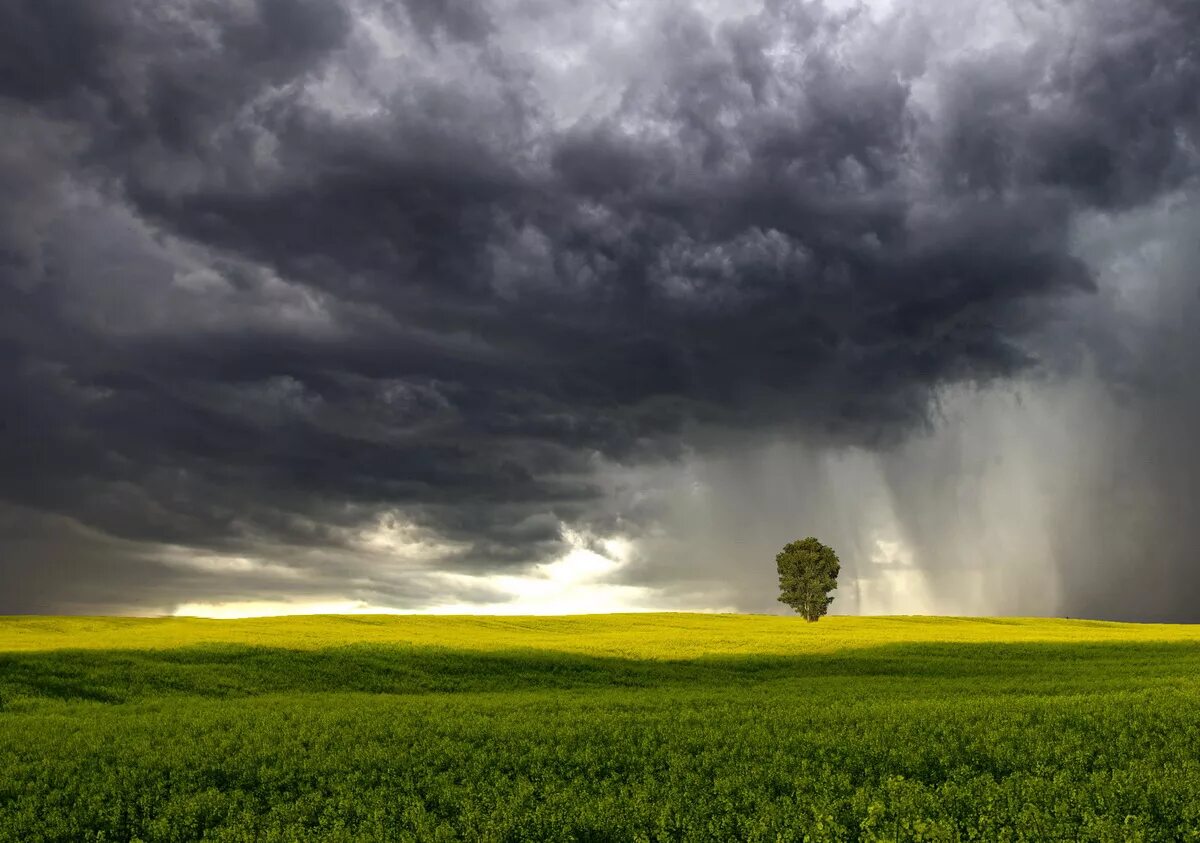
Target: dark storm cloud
276 270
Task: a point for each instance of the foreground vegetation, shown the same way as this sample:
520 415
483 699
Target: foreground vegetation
659 727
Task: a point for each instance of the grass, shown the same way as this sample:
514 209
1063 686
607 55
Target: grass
615 727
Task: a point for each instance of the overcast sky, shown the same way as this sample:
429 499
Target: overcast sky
560 306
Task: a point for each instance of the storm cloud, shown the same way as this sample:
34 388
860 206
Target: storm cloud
378 301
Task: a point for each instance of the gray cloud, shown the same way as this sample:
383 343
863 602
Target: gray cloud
1069 489
274 271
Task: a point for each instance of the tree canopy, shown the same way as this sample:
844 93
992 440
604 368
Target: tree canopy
808 572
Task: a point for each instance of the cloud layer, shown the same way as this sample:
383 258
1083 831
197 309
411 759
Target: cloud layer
385 299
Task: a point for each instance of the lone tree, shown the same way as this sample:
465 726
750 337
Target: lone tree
808 571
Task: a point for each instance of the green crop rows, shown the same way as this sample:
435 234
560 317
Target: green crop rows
920 740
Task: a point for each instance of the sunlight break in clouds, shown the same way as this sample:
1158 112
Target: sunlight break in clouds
573 584
273 609
896 586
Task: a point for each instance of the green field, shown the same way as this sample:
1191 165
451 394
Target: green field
614 727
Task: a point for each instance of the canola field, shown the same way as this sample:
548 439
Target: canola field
597 728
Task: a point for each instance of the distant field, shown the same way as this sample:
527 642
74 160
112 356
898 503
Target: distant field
653 636
612 727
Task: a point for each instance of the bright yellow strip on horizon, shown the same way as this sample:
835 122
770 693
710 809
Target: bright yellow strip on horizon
649 635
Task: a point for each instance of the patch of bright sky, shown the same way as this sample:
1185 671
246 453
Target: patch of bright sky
572 584
274 608
895 584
